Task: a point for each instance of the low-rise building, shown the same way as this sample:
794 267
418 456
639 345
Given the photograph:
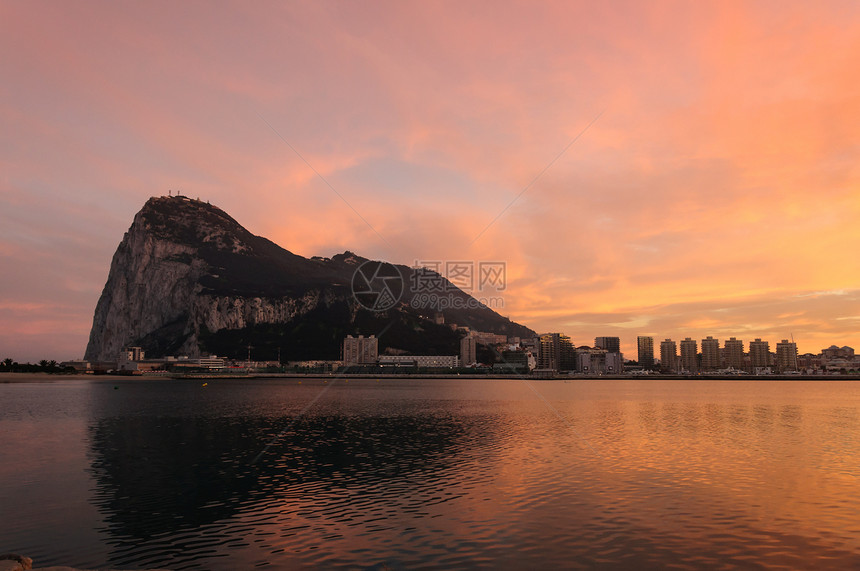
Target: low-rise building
80 366
489 338
360 350
613 363
513 362
421 361
437 361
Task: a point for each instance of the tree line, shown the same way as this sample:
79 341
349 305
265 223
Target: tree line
9 365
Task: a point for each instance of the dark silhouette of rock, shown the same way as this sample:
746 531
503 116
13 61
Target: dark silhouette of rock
188 279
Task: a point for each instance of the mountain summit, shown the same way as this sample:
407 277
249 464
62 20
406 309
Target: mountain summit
188 279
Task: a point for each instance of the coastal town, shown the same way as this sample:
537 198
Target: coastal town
548 355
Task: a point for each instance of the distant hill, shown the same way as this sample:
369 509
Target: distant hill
188 279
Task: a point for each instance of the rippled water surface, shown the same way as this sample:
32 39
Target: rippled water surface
404 474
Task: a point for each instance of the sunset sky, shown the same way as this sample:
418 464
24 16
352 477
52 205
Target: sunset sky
714 188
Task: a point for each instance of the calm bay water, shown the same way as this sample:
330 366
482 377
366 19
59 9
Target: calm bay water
404 474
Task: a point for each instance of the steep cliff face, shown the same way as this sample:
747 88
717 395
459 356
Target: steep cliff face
152 284
188 279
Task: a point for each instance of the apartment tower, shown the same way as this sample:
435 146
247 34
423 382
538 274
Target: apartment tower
669 356
689 355
646 351
710 354
759 354
734 353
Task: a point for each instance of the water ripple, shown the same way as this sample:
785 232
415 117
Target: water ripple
430 474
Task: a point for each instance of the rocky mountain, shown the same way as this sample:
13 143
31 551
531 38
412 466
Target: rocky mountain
188 279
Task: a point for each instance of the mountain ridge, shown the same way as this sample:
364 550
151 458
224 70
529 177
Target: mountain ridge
188 279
